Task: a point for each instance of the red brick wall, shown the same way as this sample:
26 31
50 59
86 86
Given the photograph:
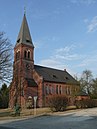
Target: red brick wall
39 80
21 63
58 88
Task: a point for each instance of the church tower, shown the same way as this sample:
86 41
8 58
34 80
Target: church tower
23 64
24 52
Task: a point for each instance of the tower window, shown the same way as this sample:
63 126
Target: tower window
28 55
17 55
25 54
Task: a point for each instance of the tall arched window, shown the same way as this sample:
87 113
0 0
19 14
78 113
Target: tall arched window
67 90
53 90
60 89
28 54
57 89
25 54
47 89
17 55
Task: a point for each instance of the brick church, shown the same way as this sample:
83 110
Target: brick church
30 80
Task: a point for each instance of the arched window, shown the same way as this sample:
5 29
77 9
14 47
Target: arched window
47 89
25 54
28 55
60 89
17 55
57 89
67 89
50 89
53 90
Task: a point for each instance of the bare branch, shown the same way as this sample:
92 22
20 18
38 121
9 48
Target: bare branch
5 58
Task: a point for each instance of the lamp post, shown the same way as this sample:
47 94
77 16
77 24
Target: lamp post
35 104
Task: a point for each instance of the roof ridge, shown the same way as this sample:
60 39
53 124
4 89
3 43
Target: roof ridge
50 68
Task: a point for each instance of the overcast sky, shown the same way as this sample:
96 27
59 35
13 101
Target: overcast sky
64 32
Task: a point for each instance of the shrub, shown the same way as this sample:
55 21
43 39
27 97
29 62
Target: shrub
86 103
57 102
78 104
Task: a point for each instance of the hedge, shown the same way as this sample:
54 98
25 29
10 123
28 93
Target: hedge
57 102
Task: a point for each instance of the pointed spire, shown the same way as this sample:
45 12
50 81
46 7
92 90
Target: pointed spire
24 36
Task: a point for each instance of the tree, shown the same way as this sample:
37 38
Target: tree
94 91
5 58
4 96
86 82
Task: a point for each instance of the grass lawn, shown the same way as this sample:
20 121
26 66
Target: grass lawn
5 112
10 113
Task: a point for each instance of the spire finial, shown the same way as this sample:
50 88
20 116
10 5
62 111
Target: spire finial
24 10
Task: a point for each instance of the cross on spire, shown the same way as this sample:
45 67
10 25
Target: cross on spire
24 10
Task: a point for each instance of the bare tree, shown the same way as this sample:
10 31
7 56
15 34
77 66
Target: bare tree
86 81
5 58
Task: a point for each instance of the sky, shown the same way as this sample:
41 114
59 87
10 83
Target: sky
64 32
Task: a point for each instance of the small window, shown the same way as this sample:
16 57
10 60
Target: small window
54 76
67 78
28 40
18 40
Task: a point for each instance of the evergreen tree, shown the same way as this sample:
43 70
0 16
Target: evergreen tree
4 96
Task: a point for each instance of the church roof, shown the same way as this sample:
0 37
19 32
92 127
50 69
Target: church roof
82 93
55 75
24 36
